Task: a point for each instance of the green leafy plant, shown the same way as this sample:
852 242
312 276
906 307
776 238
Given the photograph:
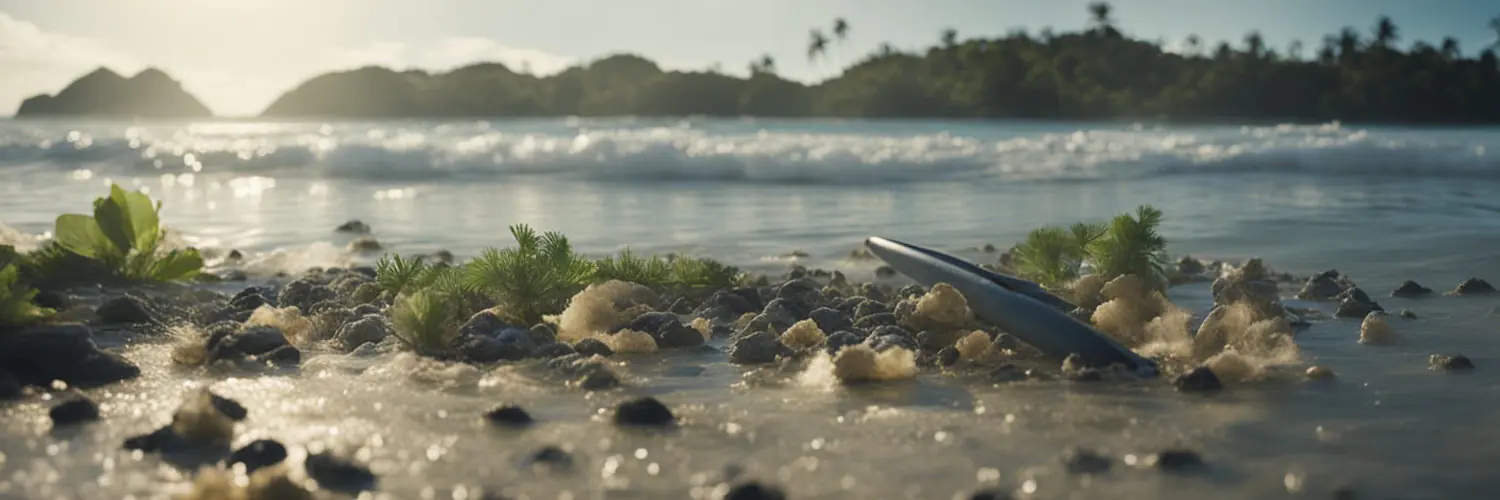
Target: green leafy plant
124 234
395 273
703 273
1050 256
651 271
1132 245
16 307
535 278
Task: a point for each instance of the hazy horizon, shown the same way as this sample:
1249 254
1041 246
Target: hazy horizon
237 68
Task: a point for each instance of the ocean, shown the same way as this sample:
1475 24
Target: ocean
1380 204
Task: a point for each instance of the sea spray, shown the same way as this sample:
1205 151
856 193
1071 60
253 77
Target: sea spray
859 363
601 307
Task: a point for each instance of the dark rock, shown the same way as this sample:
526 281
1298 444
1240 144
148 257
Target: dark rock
882 342
356 333
599 379
281 356
41 354
353 226
441 257
1083 315
74 411
483 324
247 300
1035 374
1260 291
551 456
368 271
757 348
1176 459
948 356
1455 362
229 407
725 306
234 255
258 454
509 416
251 341
364 244
1473 286
542 333
1201 379
911 291
990 494
517 342
785 312
1410 288
752 297
303 294
553 350
1356 294
666 329
1406 313
367 310
1351 307
1085 375
754 491
1085 461
591 347
337 474
1007 373
840 339
10 388
1324 286
162 439
51 300
874 320
831 320
1190 266
481 349
645 412
885 271
125 309
869 308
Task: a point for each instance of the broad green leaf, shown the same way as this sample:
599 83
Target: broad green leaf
80 234
178 265
145 224
113 220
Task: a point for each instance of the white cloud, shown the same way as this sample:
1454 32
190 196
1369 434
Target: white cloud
449 53
37 62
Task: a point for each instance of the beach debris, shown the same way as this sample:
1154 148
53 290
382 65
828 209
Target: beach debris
1410 288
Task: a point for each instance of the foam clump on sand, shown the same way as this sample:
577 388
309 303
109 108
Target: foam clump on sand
974 346
409 366
1088 291
944 307
629 342
188 345
1374 330
603 306
269 483
860 363
198 421
804 334
1142 320
298 329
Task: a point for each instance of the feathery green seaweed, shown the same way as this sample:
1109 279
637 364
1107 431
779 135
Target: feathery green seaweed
692 272
534 278
651 271
1132 245
395 273
1050 256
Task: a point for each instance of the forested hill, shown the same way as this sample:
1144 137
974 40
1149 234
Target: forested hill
1098 72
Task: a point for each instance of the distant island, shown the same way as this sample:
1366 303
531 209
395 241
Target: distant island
102 92
1094 73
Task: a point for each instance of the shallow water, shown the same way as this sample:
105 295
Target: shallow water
1379 204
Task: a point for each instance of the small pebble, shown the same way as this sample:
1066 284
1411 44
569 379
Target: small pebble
990 494
509 416
1456 362
754 491
74 411
599 380
1406 313
1177 459
1201 379
259 454
552 456
948 356
1085 461
645 411
1320 373
338 474
229 407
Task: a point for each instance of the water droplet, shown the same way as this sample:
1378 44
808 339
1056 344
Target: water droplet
987 474
653 469
1293 482
1029 486
641 453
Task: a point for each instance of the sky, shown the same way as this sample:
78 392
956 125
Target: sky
239 55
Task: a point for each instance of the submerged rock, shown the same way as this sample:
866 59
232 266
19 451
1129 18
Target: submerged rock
1454 362
1201 379
552 350
1319 373
1410 288
990 494
338 474
1324 286
757 348
509 416
551 457
1086 461
1008 373
241 344
1177 459
353 226
74 411
356 333
125 309
645 412
1355 303
259 454
1473 286
593 347
364 244
160 440
754 491
41 354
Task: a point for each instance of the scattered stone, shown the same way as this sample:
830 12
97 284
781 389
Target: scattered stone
1406 313
259 454
1177 459
666 329
870 307
337 474
831 320
757 348
234 255
599 379
542 333
509 416
1473 286
1085 461
593 347
1410 288
551 457
645 412
366 329
163 439
303 294
948 356
1201 379
481 349
1355 303
724 305
51 300
74 411
368 271
124 309
1455 362
1324 286
553 350
754 491
229 407
353 226
1320 373
364 244
1190 266
248 299
841 339
484 324
877 319
251 341
41 354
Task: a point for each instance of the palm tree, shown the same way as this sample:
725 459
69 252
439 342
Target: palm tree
950 37
1386 32
1255 45
1294 50
1348 41
1194 44
1450 48
1495 26
1099 12
765 64
817 45
841 32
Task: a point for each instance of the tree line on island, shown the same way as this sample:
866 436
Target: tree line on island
1095 73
